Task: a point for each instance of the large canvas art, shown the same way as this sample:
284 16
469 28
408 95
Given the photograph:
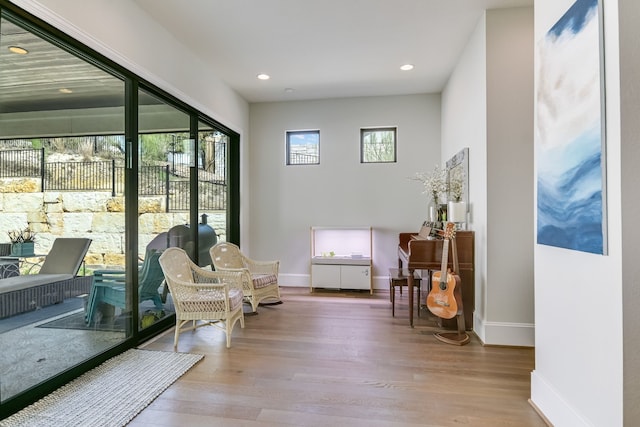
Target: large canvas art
570 145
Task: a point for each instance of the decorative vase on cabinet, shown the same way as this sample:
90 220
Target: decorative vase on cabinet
457 212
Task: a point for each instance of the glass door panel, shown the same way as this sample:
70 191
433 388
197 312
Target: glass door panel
165 155
212 186
61 164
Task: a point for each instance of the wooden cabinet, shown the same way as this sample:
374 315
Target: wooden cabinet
341 276
341 258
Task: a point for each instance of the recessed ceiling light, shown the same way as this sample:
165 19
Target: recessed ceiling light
289 90
65 90
406 67
263 76
19 50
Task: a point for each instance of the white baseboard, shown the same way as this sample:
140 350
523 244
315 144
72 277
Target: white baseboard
294 280
551 404
303 280
504 333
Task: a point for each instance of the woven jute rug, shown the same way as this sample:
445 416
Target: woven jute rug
109 395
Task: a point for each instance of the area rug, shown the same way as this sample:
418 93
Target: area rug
109 395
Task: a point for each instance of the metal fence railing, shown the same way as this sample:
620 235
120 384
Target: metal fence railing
19 163
75 176
109 176
303 159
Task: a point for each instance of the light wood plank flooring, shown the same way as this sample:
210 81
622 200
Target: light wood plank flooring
340 359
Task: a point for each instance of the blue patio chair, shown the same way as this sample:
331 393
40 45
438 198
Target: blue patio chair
109 287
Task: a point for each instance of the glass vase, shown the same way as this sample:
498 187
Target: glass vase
437 212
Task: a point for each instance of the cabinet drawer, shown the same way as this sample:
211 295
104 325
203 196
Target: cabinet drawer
355 276
325 276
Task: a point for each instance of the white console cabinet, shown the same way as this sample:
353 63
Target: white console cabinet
341 258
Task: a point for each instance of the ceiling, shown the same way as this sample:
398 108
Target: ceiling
36 81
312 49
325 48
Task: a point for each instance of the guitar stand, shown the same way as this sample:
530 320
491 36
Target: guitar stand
460 337
455 338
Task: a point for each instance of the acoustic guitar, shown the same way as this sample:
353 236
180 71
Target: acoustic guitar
442 300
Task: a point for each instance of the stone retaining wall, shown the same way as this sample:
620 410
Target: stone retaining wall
96 215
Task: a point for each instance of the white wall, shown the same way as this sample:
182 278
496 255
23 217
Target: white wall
491 92
578 378
464 100
509 315
340 191
629 14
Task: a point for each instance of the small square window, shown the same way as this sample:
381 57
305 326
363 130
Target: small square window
378 145
303 147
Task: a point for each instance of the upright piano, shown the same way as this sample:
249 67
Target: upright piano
418 253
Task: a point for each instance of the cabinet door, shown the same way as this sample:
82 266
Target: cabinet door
325 276
355 276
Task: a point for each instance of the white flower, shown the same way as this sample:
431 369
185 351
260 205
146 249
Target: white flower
435 183
456 185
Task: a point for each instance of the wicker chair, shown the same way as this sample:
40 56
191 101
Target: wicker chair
214 297
260 278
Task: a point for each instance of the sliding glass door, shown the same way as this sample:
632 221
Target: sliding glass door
213 188
61 162
88 150
165 156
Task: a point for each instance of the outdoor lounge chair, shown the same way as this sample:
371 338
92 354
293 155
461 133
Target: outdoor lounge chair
109 286
55 281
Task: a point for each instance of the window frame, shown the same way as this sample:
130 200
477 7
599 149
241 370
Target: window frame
289 134
364 131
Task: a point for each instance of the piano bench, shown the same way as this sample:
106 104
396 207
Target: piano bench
398 278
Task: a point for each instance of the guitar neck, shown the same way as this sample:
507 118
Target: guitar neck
445 260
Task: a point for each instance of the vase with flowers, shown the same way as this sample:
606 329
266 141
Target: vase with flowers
22 242
457 208
435 186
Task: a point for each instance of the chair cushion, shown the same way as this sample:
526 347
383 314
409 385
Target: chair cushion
197 301
30 280
65 256
236 297
264 280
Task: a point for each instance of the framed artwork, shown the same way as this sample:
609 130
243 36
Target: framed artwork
458 166
570 132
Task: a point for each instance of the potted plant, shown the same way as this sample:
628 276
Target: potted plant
22 242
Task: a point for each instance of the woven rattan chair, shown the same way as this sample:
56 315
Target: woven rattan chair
260 278
212 297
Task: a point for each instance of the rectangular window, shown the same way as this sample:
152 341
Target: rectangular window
303 147
378 145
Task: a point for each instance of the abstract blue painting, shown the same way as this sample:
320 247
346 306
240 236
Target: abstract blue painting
570 149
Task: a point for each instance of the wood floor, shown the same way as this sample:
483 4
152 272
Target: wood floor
340 359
